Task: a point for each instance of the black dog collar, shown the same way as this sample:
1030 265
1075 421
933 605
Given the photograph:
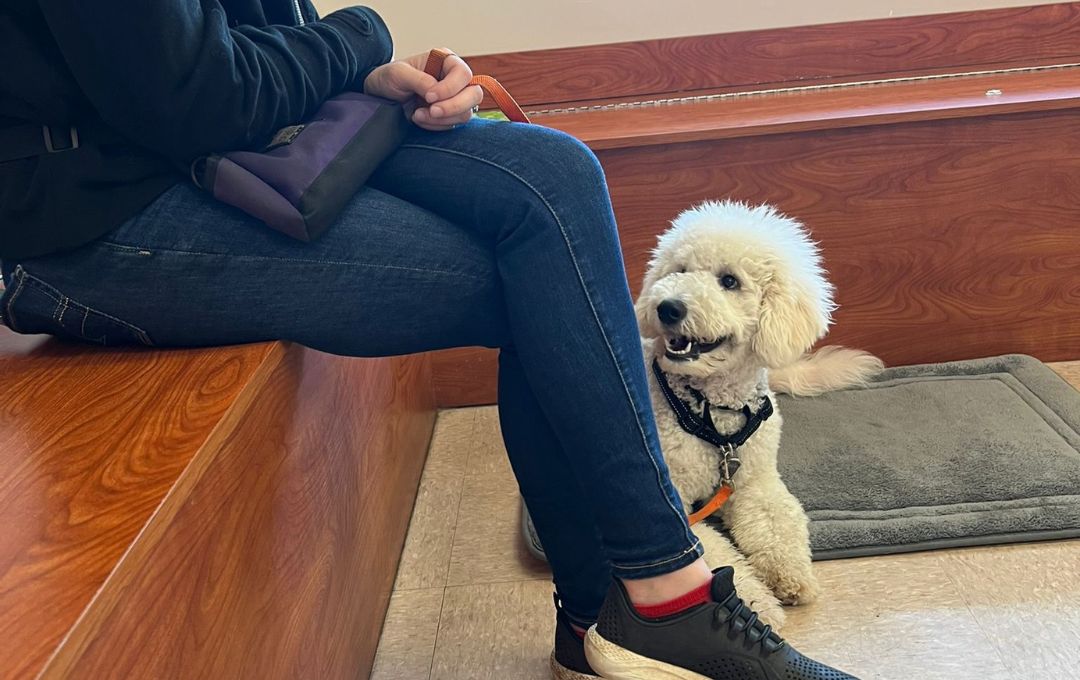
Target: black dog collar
702 426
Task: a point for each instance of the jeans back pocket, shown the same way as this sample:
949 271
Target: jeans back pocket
29 305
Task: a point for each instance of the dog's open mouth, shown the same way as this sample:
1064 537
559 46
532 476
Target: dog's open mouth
682 348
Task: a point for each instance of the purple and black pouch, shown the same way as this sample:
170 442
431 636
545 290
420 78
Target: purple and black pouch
301 181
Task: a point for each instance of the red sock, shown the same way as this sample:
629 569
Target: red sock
699 595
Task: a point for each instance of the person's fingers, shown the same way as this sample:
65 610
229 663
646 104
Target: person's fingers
410 80
435 127
456 75
422 117
461 103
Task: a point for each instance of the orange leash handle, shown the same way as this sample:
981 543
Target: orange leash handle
714 504
492 87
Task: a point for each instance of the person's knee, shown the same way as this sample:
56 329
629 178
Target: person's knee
545 158
571 160
564 179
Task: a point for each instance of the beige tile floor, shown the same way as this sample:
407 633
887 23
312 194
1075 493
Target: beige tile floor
471 604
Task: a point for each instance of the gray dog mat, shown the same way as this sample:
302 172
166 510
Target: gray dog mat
934 456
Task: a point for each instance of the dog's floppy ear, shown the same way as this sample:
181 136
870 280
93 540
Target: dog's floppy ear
643 304
796 308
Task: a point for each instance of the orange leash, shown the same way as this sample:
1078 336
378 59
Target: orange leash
714 504
492 87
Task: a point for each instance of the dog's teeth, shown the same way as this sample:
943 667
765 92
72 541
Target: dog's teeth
685 350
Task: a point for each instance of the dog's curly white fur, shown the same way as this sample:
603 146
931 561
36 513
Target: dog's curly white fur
753 297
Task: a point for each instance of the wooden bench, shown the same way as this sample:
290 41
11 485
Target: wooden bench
235 512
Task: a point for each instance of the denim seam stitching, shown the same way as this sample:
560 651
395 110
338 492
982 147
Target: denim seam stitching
592 308
633 567
19 274
132 250
261 258
56 296
63 311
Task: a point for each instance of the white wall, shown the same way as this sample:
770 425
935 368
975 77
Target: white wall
486 26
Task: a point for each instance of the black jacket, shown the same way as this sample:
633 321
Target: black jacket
174 79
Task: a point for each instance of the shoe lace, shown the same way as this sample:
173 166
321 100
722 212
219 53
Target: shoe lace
734 614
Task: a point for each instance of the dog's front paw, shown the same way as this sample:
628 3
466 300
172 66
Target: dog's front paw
789 576
795 587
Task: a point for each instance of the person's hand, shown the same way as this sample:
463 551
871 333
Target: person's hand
450 99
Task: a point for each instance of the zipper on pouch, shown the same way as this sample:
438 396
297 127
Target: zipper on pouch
299 15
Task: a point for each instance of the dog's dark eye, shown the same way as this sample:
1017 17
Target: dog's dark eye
728 281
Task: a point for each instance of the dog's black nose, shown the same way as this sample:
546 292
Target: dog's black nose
671 312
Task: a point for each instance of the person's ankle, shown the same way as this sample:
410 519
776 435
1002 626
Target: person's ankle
665 588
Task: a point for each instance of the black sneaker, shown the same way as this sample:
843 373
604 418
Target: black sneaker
719 640
568 660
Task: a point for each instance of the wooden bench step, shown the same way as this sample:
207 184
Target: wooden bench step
229 512
827 106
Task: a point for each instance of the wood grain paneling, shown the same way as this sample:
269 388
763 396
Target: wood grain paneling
274 555
946 240
964 40
465 377
90 443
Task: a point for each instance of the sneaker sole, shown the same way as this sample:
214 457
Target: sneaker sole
561 672
615 663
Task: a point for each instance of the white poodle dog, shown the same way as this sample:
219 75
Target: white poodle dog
732 300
